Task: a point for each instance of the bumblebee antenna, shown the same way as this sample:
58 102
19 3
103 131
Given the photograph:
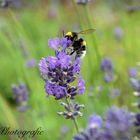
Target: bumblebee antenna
63 32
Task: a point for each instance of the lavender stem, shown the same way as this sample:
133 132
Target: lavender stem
74 119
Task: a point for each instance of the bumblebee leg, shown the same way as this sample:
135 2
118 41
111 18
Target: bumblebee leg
72 52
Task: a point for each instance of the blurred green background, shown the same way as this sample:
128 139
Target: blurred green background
26 26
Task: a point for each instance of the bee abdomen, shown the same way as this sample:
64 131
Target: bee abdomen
81 52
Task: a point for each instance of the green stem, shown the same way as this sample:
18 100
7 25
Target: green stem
78 14
76 125
74 120
95 41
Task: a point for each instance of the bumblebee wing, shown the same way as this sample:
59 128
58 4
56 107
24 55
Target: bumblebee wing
88 31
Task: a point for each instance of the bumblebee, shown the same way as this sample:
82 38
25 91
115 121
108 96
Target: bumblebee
78 44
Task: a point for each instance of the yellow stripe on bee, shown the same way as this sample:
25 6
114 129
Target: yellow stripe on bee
84 43
69 34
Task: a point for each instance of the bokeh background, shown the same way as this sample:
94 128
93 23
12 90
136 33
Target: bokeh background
26 26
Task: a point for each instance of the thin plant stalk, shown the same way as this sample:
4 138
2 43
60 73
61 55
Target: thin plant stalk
78 14
86 11
74 120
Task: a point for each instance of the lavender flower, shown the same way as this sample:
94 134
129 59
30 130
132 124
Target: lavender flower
80 86
137 122
136 86
65 43
31 63
64 130
108 77
94 121
11 3
53 43
72 110
132 8
5 3
114 92
119 123
88 134
107 68
62 77
132 72
106 65
95 91
43 67
20 94
118 33
117 126
82 2
60 72
57 91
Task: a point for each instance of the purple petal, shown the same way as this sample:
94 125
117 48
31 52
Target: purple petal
63 60
81 86
64 42
76 66
52 62
49 88
106 65
43 67
54 43
132 72
31 63
94 121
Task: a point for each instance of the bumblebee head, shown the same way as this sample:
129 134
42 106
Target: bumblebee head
71 35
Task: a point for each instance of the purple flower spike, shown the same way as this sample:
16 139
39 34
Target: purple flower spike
132 72
118 119
31 63
64 129
54 43
118 33
108 77
118 125
60 71
106 65
135 84
94 121
107 68
81 86
76 66
20 94
82 2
